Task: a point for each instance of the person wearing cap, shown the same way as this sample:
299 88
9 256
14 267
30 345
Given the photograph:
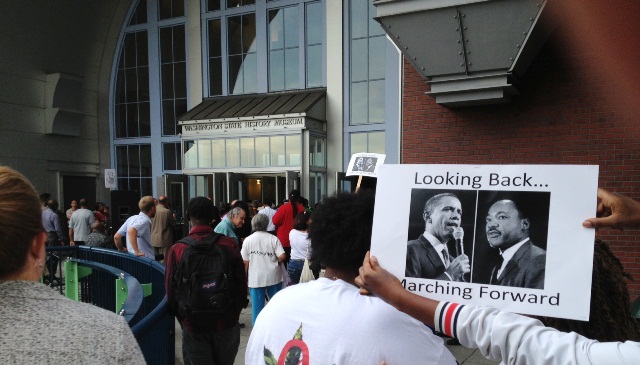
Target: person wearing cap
217 344
283 220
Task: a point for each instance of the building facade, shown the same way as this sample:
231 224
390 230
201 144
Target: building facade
91 86
250 99
103 88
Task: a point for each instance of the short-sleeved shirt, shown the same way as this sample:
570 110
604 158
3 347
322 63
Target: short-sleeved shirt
269 212
300 245
359 330
142 224
81 222
262 249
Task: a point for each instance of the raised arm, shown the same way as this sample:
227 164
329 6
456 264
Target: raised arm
375 280
615 211
501 336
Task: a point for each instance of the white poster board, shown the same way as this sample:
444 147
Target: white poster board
547 273
365 164
110 181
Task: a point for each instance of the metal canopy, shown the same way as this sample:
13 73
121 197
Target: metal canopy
470 51
309 103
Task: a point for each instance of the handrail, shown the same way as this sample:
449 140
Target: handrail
146 324
151 325
134 289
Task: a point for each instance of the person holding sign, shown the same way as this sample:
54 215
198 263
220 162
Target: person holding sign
509 337
501 336
428 257
521 264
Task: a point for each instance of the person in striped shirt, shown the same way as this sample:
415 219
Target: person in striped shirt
501 336
508 337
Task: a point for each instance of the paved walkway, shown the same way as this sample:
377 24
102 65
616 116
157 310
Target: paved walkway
464 355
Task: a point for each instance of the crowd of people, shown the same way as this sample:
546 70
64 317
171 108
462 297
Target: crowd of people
76 224
256 241
337 237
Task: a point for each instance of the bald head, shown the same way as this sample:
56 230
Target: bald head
97 227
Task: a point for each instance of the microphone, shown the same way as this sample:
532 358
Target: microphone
458 234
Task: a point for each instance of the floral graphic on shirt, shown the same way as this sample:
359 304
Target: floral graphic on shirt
295 352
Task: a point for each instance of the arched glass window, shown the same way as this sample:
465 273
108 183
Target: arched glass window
150 93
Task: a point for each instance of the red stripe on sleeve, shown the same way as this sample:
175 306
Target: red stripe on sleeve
448 319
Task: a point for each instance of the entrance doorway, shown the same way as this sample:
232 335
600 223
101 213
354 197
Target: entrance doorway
226 187
275 187
77 187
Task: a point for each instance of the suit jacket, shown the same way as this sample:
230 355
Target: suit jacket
423 261
525 269
162 227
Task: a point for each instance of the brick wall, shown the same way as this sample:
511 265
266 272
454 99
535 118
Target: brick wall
563 116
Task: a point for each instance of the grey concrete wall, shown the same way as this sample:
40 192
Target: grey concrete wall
42 37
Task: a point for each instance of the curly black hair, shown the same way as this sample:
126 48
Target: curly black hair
341 230
610 317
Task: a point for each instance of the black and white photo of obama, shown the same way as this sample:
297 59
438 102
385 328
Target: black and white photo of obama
429 256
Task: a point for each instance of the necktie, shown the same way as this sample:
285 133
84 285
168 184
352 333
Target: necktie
445 256
494 275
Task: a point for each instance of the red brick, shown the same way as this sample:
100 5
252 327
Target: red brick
561 117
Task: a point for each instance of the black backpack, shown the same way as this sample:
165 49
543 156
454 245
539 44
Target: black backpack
203 284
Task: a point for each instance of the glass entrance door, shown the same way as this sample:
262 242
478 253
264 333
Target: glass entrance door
293 181
220 188
237 186
224 187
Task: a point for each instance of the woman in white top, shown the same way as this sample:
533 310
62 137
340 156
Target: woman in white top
262 252
300 246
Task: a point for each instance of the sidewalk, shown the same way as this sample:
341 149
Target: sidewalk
464 355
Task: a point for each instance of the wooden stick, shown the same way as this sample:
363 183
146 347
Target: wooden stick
359 182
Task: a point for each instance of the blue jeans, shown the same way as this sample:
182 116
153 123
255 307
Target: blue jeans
295 270
257 298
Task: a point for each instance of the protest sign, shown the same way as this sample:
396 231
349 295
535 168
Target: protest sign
365 164
512 233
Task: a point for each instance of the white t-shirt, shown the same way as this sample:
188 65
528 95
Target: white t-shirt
262 249
269 212
333 324
299 242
